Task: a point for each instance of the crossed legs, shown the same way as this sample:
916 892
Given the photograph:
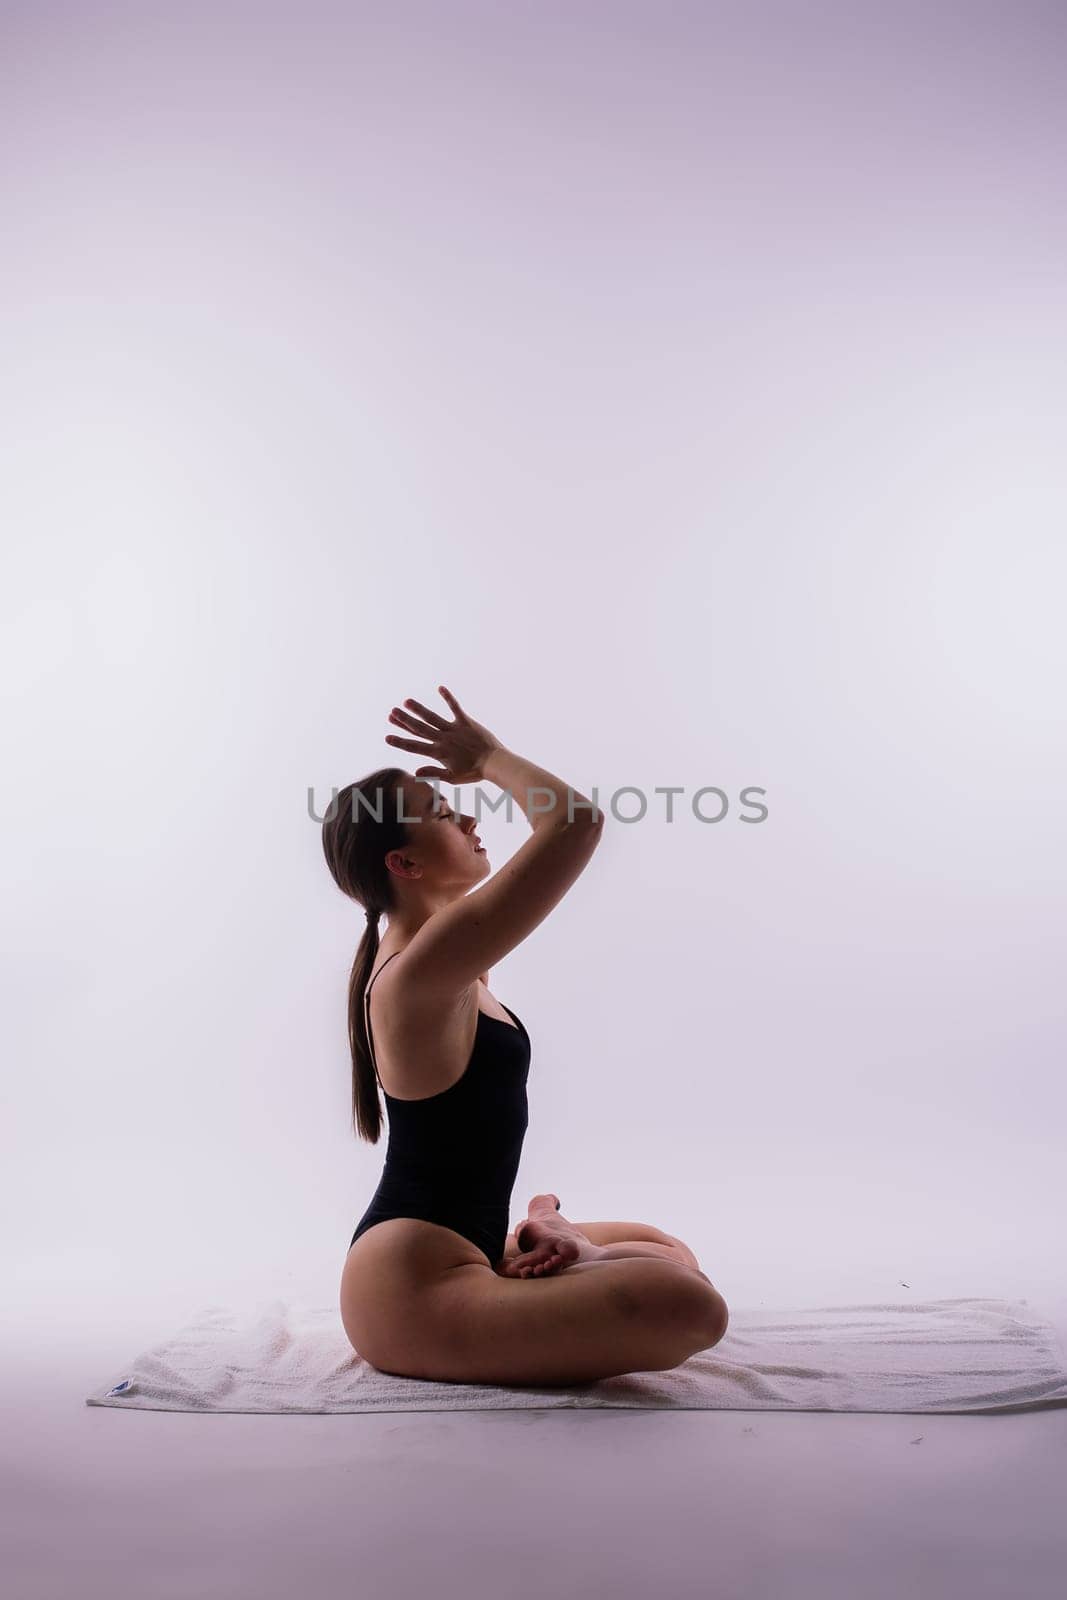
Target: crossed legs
598 1241
420 1300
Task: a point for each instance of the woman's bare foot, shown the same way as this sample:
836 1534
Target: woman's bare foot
542 1205
547 1242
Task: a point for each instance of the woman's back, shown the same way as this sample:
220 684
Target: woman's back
453 1155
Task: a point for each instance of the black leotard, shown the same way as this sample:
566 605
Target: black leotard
452 1157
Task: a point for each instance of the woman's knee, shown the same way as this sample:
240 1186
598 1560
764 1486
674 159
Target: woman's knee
677 1306
718 1316
671 1290
704 1307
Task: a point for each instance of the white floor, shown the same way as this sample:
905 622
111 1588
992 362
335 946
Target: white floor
157 1506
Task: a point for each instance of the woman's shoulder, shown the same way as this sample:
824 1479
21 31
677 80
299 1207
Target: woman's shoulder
422 1040
405 1003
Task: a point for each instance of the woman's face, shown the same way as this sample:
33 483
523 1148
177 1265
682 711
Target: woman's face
443 842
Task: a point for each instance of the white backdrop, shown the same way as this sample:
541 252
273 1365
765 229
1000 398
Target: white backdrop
689 400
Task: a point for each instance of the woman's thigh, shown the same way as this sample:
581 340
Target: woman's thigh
383 1275
424 1306
617 1233
622 1232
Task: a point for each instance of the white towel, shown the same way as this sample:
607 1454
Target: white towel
951 1356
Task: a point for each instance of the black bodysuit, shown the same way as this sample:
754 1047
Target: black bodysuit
452 1157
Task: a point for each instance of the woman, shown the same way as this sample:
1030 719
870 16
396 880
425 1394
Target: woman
434 1285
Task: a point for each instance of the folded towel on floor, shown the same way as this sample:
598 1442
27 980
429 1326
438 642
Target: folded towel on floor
950 1356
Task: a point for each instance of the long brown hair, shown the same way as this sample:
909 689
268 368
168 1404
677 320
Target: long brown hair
360 828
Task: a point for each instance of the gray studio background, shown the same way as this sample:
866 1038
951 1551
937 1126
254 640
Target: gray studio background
690 401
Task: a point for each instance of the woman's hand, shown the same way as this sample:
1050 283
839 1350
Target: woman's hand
462 746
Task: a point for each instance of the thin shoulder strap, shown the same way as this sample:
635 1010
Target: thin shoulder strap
366 1013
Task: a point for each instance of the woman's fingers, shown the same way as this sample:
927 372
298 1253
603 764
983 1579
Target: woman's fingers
461 745
406 720
419 747
428 722
432 717
446 694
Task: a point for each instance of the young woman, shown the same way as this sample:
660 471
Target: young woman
434 1285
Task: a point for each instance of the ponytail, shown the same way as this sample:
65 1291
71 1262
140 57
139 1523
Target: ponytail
366 1106
355 847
